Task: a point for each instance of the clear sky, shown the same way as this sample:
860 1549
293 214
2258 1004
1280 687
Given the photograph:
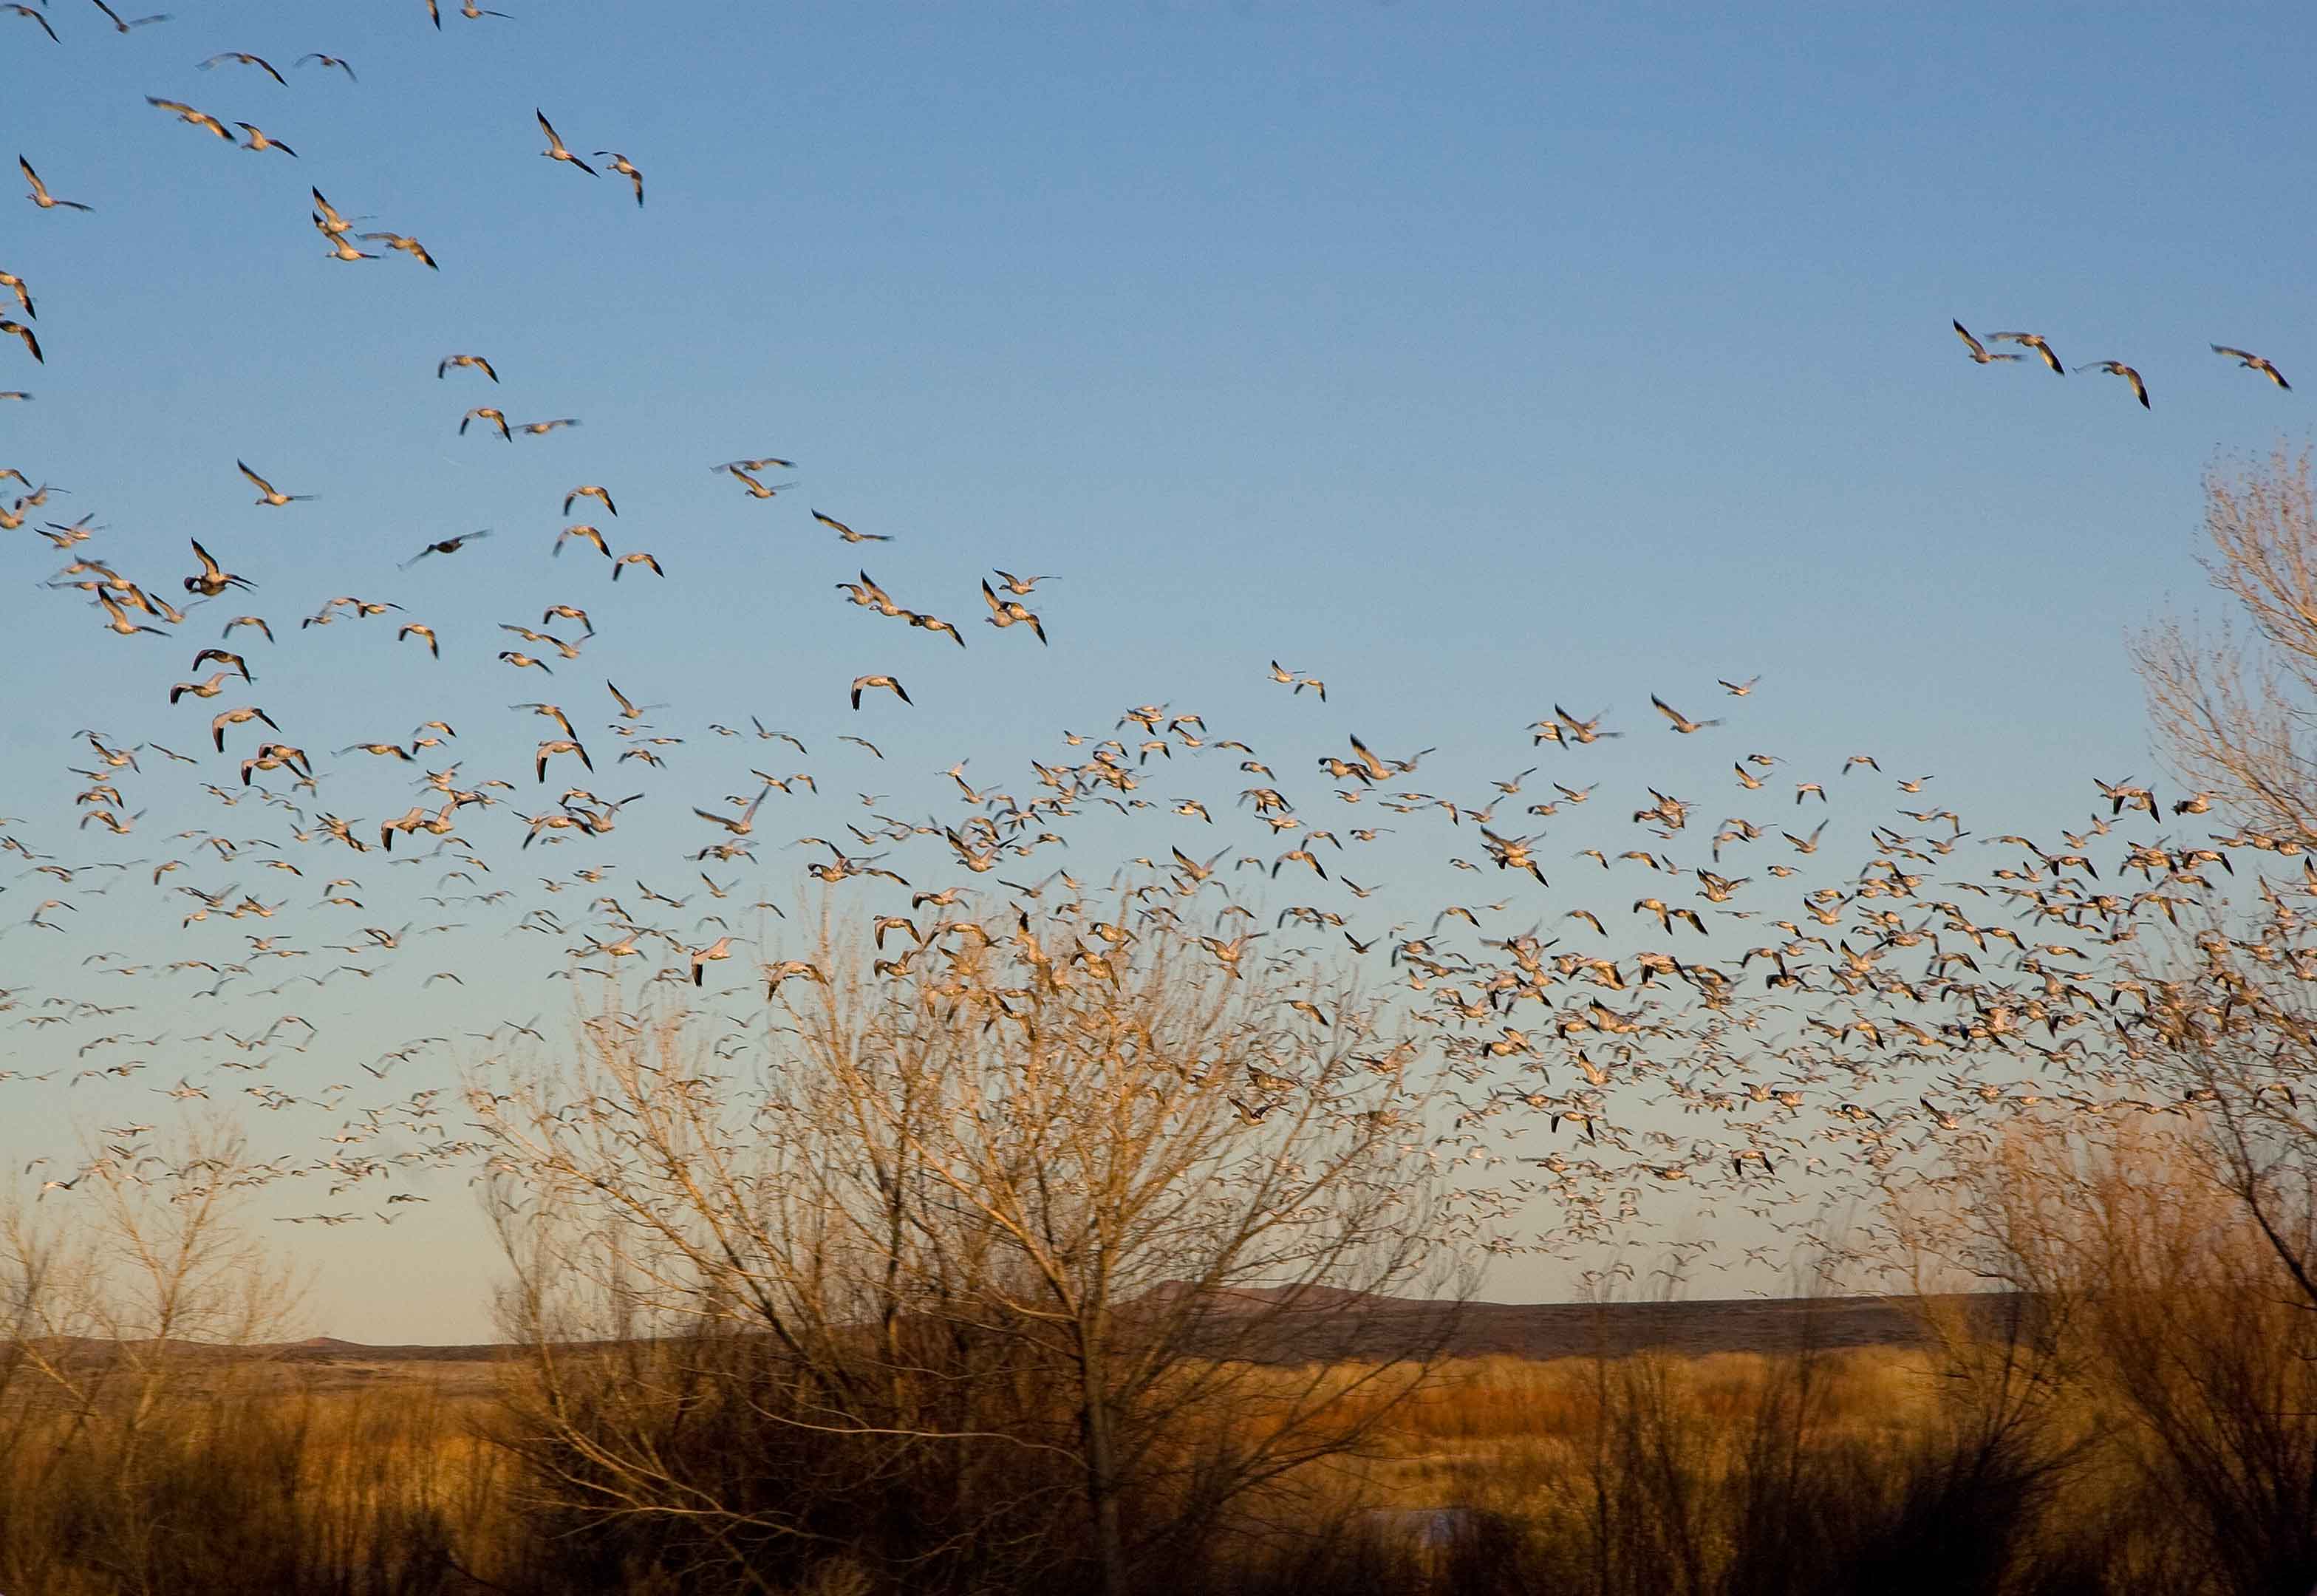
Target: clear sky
1471 358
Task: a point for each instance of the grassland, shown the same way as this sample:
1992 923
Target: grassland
1997 1452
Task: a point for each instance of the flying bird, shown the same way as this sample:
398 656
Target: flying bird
562 745
187 114
120 26
2034 341
2252 362
259 138
486 413
746 822
28 11
2117 368
934 623
267 494
407 244
449 545
862 682
628 710
246 60
1681 722
234 717
327 62
700 957
19 330
327 216
1009 612
848 533
213 579
1978 350
555 151
755 488
41 196
627 169
442 367
584 533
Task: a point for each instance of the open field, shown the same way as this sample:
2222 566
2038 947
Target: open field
1876 1445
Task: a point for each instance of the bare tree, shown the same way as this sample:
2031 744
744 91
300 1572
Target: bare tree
143 1294
2231 707
144 1273
2230 1032
2153 1295
1021 1215
2229 1045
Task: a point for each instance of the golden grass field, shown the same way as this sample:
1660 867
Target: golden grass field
1996 1467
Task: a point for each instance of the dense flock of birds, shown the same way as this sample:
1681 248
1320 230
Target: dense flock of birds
1702 996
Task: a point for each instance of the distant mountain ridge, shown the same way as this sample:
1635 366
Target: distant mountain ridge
1318 1323
1326 1321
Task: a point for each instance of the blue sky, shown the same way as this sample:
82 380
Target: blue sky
1471 357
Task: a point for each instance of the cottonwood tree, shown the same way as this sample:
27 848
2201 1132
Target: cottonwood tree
2143 1288
139 1293
112 1295
2229 1049
1028 1242
2233 1038
2230 706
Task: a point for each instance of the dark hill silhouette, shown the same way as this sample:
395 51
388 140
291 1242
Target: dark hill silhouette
1323 1323
1326 1323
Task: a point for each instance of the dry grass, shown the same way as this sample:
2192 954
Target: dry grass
250 1482
2143 1417
1860 1470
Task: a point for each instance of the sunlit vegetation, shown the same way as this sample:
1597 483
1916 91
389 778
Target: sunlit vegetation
2135 1410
